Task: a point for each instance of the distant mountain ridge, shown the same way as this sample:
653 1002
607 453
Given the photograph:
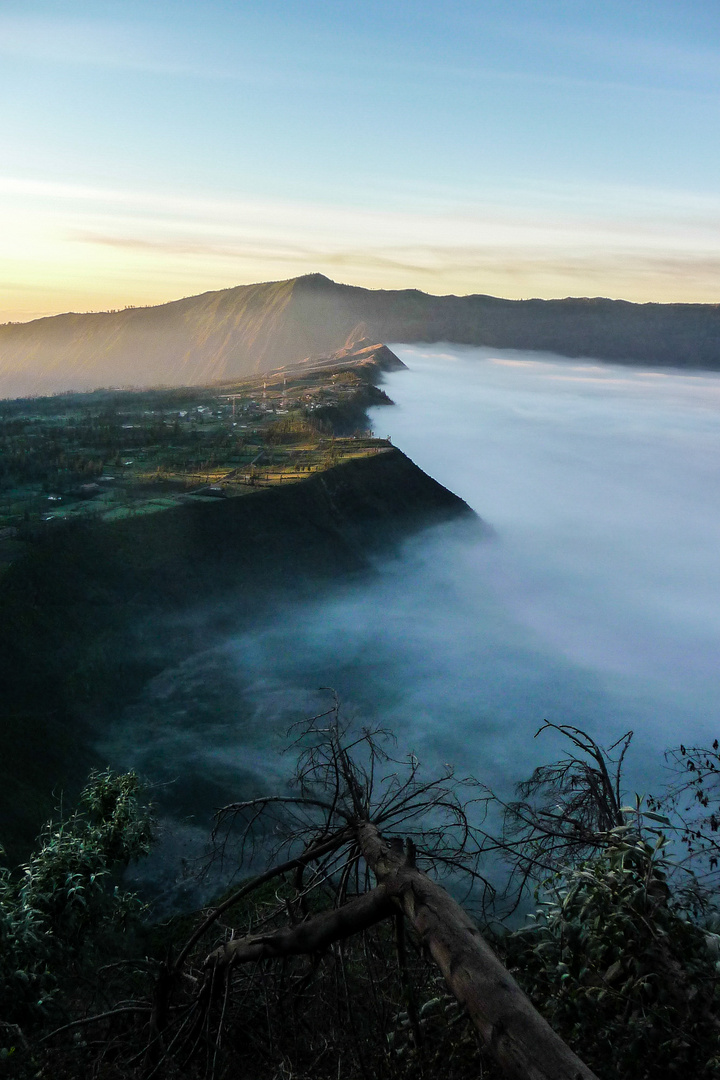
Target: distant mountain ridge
255 328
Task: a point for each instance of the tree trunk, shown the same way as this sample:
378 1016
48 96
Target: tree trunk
515 1035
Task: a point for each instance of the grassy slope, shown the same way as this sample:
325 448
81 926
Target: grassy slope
254 328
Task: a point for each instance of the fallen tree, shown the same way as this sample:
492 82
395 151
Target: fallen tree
347 811
350 957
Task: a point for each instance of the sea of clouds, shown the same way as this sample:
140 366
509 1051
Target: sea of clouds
596 602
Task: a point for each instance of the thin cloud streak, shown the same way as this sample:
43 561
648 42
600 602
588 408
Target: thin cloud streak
648 209
114 247
688 273
120 46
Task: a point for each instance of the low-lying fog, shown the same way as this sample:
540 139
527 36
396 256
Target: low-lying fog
596 603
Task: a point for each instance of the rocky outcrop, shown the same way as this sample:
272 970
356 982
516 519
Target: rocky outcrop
366 359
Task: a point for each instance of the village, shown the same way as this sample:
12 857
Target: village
110 453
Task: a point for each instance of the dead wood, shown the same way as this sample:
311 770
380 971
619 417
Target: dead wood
310 936
335 778
515 1035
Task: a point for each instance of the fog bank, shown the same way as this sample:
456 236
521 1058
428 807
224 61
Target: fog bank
602 483
597 603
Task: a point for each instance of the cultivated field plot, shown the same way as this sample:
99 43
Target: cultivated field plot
114 453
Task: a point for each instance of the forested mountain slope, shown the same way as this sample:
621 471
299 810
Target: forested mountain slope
255 328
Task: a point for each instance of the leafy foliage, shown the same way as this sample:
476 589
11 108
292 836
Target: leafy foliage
56 909
618 967
564 810
693 800
620 957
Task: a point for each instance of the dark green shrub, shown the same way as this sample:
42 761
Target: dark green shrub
619 969
56 908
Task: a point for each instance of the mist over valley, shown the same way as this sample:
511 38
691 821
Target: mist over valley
359 533
594 602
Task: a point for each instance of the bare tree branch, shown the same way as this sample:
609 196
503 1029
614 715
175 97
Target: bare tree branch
311 853
310 936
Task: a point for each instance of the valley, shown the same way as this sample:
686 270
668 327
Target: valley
138 527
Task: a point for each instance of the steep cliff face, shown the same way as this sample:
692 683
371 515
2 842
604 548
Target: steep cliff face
256 328
83 611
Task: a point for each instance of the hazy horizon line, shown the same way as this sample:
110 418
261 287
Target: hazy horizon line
54 314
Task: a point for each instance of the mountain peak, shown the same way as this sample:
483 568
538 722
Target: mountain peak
314 280
232 333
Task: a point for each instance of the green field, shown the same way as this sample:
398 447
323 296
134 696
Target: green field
114 453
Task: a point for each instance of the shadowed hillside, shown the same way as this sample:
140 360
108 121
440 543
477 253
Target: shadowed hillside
255 328
81 608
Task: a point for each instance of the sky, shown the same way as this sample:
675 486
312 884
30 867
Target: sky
525 148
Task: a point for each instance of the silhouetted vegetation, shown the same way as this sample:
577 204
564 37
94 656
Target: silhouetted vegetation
326 964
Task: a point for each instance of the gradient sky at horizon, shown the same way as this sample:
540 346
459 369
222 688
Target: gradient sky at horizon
530 148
